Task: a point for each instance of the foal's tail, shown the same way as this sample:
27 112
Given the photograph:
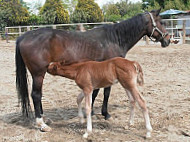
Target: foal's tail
140 78
21 81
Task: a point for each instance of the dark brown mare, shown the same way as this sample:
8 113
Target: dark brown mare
92 75
36 49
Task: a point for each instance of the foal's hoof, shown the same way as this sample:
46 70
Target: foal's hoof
81 120
45 129
85 135
148 135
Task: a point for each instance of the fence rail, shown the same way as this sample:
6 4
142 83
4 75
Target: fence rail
179 29
22 29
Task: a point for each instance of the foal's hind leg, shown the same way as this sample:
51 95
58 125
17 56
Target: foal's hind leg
137 96
37 96
132 108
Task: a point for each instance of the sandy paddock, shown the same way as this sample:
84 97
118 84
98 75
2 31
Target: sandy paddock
166 90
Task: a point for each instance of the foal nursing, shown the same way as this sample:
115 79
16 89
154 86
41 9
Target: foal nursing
92 75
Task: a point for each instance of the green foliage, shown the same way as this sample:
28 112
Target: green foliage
111 12
123 9
133 9
34 20
174 4
122 6
53 12
166 4
87 11
70 5
13 13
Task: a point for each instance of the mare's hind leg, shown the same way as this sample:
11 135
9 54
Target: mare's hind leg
137 96
105 103
37 96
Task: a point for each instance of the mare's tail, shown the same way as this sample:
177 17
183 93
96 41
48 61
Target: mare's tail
140 78
21 81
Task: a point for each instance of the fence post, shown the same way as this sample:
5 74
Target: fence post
184 31
147 40
6 34
28 28
54 26
20 31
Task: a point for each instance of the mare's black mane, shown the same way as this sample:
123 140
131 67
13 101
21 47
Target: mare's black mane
121 34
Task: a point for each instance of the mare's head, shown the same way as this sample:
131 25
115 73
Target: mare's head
156 30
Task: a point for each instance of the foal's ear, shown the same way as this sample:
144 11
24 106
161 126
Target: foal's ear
62 63
54 67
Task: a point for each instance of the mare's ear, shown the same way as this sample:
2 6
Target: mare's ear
158 12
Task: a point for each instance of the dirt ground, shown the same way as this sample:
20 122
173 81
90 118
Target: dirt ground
166 90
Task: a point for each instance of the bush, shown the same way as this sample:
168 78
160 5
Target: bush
87 11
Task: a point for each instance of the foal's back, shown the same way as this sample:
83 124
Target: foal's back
105 73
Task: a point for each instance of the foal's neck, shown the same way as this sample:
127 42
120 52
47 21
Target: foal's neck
69 71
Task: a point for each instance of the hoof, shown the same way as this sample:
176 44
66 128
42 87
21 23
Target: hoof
148 135
85 135
92 113
45 129
131 124
47 121
81 120
107 116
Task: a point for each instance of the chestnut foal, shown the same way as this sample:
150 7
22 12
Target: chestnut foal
92 75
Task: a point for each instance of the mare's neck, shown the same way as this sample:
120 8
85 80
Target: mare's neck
130 31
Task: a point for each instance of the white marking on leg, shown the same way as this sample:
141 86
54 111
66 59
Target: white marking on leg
80 113
43 127
148 125
88 102
132 108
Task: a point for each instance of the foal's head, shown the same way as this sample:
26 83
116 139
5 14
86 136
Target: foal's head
155 30
53 68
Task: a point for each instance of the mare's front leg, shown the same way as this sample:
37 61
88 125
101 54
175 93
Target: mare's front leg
105 103
37 101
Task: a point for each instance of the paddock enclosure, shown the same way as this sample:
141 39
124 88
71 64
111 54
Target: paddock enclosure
166 91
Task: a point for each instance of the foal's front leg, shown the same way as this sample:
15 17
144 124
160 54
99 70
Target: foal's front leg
79 101
88 102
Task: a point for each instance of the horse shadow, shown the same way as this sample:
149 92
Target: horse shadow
67 119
